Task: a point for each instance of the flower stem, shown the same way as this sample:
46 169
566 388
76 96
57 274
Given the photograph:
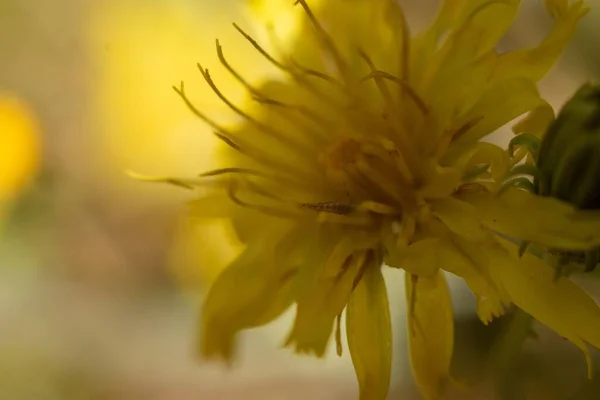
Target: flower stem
506 353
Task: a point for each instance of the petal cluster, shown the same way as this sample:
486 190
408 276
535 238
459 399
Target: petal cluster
368 152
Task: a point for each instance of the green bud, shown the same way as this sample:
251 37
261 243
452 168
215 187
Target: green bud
569 156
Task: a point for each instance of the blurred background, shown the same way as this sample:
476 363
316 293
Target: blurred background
99 277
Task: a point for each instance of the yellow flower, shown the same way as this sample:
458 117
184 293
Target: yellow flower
19 147
367 152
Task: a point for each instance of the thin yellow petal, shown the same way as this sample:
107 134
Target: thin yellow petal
482 24
369 334
534 63
461 217
253 290
326 283
467 156
430 332
417 258
536 122
500 104
201 251
459 259
537 219
464 259
474 27
560 304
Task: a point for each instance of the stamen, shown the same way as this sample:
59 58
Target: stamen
271 211
385 93
449 136
405 87
260 97
317 74
466 127
350 219
262 51
326 40
228 141
400 133
377 208
245 148
399 160
382 181
304 111
234 171
297 77
363 182
181 182
265 128
233 72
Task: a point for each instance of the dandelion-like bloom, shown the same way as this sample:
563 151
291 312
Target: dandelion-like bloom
368 153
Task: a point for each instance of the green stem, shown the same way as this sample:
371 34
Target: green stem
506 352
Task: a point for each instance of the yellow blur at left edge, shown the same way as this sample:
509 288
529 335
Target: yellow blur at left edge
19 147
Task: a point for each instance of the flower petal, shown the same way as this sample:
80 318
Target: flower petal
459 216
369 332
534 63
468 156
326 283
536 122
475 25
560 304
417 258
461 259
501 103
253 290
430 333
537 219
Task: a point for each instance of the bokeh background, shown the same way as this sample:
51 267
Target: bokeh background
99 274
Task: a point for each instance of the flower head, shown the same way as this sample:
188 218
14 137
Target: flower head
367 153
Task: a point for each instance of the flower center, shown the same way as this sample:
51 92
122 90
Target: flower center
367 170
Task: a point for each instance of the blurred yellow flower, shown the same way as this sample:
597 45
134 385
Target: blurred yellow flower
137 49
19 147
368 153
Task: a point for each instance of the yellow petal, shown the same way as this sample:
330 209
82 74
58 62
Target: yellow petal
19 146
561 305
416 259
534 63
482 24
325 285
467 156
500 104
430 333
461 217
537 219
536 122
464 259
474 28
369 334
213 205
440 181
200 252
253 290
460 259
